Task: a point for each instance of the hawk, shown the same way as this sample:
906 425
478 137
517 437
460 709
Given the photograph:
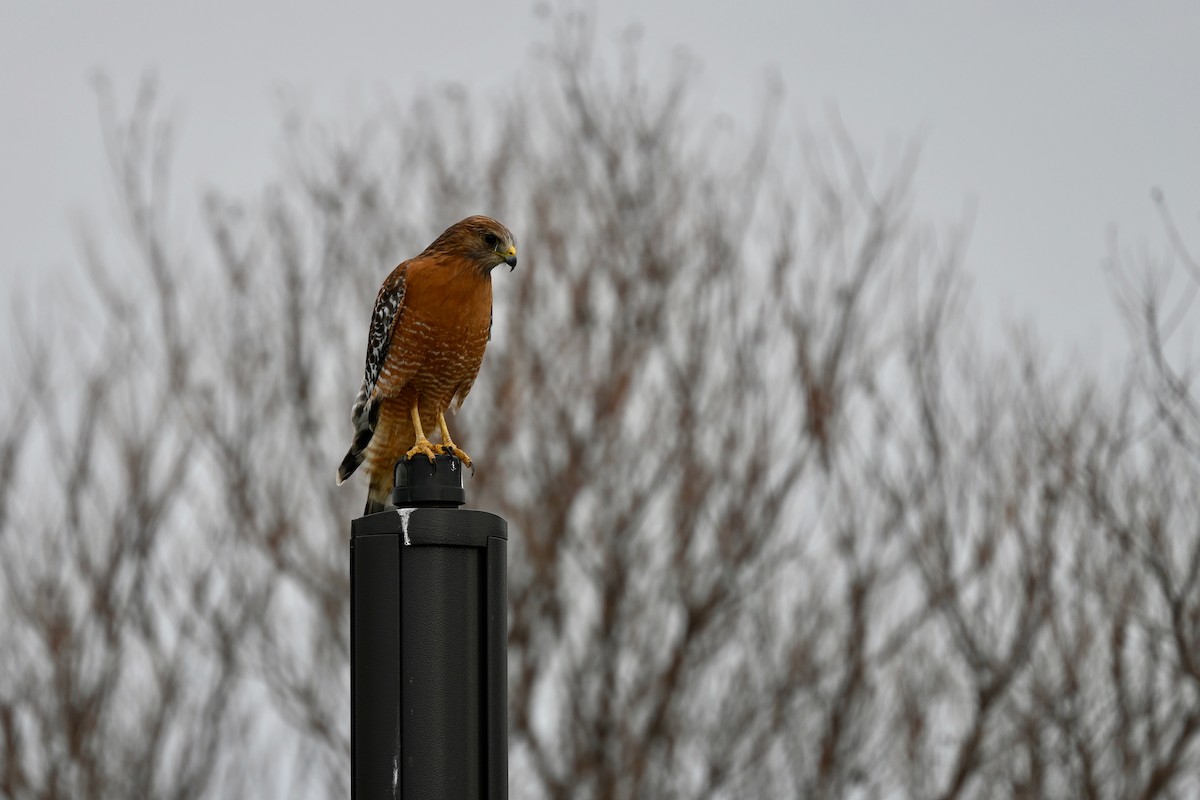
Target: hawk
431 323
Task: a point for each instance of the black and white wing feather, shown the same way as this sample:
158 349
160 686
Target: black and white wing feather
389 308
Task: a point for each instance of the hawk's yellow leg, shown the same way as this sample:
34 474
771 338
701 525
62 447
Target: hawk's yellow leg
448 446
423 445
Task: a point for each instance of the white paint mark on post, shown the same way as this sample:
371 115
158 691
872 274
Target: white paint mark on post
405 513
396 771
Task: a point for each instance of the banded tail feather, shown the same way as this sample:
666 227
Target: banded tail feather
365 417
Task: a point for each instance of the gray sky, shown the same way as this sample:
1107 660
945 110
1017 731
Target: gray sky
1054 119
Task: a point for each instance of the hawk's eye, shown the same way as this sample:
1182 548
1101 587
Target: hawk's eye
490 239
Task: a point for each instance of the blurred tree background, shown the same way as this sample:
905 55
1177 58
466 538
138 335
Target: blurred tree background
781 525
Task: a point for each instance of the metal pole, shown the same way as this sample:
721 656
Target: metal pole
428 642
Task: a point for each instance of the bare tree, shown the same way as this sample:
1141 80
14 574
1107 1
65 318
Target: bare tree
779 525
122 656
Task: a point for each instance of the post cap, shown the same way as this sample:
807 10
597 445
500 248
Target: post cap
420 482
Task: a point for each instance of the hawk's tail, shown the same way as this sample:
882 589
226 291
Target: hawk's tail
379 493
381 483
355 455
365 417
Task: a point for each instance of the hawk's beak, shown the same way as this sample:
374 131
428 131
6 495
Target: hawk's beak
510 258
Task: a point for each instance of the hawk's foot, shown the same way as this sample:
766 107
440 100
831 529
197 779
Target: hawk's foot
423 446
452 449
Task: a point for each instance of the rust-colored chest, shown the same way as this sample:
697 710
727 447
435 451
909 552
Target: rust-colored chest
444 328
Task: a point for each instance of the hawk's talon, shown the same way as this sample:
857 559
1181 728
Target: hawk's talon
453 450
423 446
448 447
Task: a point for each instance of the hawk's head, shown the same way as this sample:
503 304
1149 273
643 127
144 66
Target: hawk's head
480 239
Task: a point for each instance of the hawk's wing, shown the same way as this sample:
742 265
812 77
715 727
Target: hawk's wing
385 318
389 309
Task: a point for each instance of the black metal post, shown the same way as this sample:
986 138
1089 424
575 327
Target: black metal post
428 643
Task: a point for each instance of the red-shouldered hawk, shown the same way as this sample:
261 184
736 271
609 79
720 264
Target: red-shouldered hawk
431 323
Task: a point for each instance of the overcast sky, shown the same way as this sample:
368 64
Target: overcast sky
1054 119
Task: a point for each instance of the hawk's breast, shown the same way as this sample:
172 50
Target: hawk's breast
446 325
